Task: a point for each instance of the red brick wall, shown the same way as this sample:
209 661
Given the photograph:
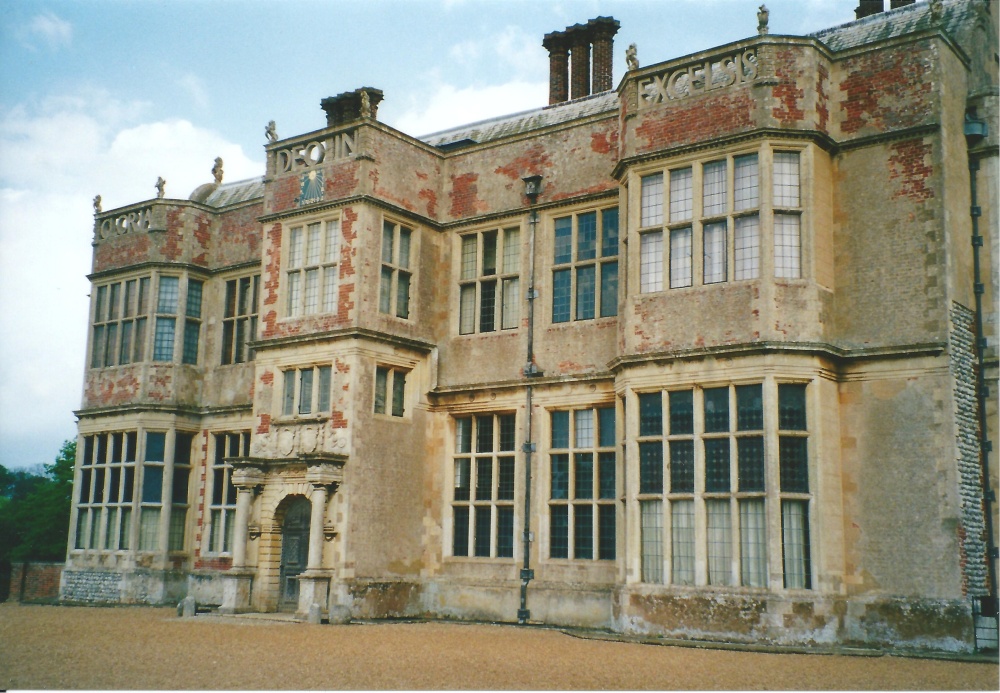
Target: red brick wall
35 581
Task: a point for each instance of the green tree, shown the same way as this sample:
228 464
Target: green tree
34 509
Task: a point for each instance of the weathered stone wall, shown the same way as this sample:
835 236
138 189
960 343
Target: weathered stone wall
889 241
899 454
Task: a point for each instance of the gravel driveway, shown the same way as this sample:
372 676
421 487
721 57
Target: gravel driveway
150 648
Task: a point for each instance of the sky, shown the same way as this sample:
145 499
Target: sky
105 96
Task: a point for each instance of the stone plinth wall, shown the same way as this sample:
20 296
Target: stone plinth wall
91 586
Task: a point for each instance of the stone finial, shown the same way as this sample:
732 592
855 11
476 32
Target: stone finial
97 204
217 170
937 10
366 105
631 59
271 131
160 184
762 16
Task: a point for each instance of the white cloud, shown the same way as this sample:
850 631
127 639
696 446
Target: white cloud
521 51
196 89
449 106
55 155
49 29
512 49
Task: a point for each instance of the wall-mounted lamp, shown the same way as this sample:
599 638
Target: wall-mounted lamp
532 186
975 130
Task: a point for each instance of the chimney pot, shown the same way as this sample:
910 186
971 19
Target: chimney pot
558 49
579 38
866 8
602 31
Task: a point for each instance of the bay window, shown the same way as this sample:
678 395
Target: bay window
717 466
714 209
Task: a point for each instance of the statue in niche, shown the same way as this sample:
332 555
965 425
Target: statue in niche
271 132
366 105
631 59
160 184
217 170
97 205
762 15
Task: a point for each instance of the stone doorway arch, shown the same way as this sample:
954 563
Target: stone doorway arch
294 550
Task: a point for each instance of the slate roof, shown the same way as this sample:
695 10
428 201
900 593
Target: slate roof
228 194
526 121
897 22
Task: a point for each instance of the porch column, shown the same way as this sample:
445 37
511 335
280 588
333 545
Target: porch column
314 583
244 496
246 479
238 580
318 500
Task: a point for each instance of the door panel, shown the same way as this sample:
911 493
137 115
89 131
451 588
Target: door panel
294 551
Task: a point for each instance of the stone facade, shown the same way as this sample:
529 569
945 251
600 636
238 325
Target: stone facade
693 357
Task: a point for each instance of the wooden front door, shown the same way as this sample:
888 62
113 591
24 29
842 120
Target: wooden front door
294 551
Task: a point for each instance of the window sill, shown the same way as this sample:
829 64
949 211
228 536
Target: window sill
582 323
304 419
390 417
505 332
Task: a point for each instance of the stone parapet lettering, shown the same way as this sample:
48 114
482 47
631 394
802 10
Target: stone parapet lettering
136 221
303 157
698 77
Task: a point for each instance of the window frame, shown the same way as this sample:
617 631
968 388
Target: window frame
571 498
753 497
118 308
465 500
240 312
391 400
220 493
504 276
300 264
603 289
105 492
193 309
748 227
303 394
394 266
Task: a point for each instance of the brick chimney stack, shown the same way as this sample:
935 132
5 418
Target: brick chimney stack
558 49
869 7
579 55
571 73
602 32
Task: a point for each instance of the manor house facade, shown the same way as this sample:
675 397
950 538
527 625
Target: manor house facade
702 355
